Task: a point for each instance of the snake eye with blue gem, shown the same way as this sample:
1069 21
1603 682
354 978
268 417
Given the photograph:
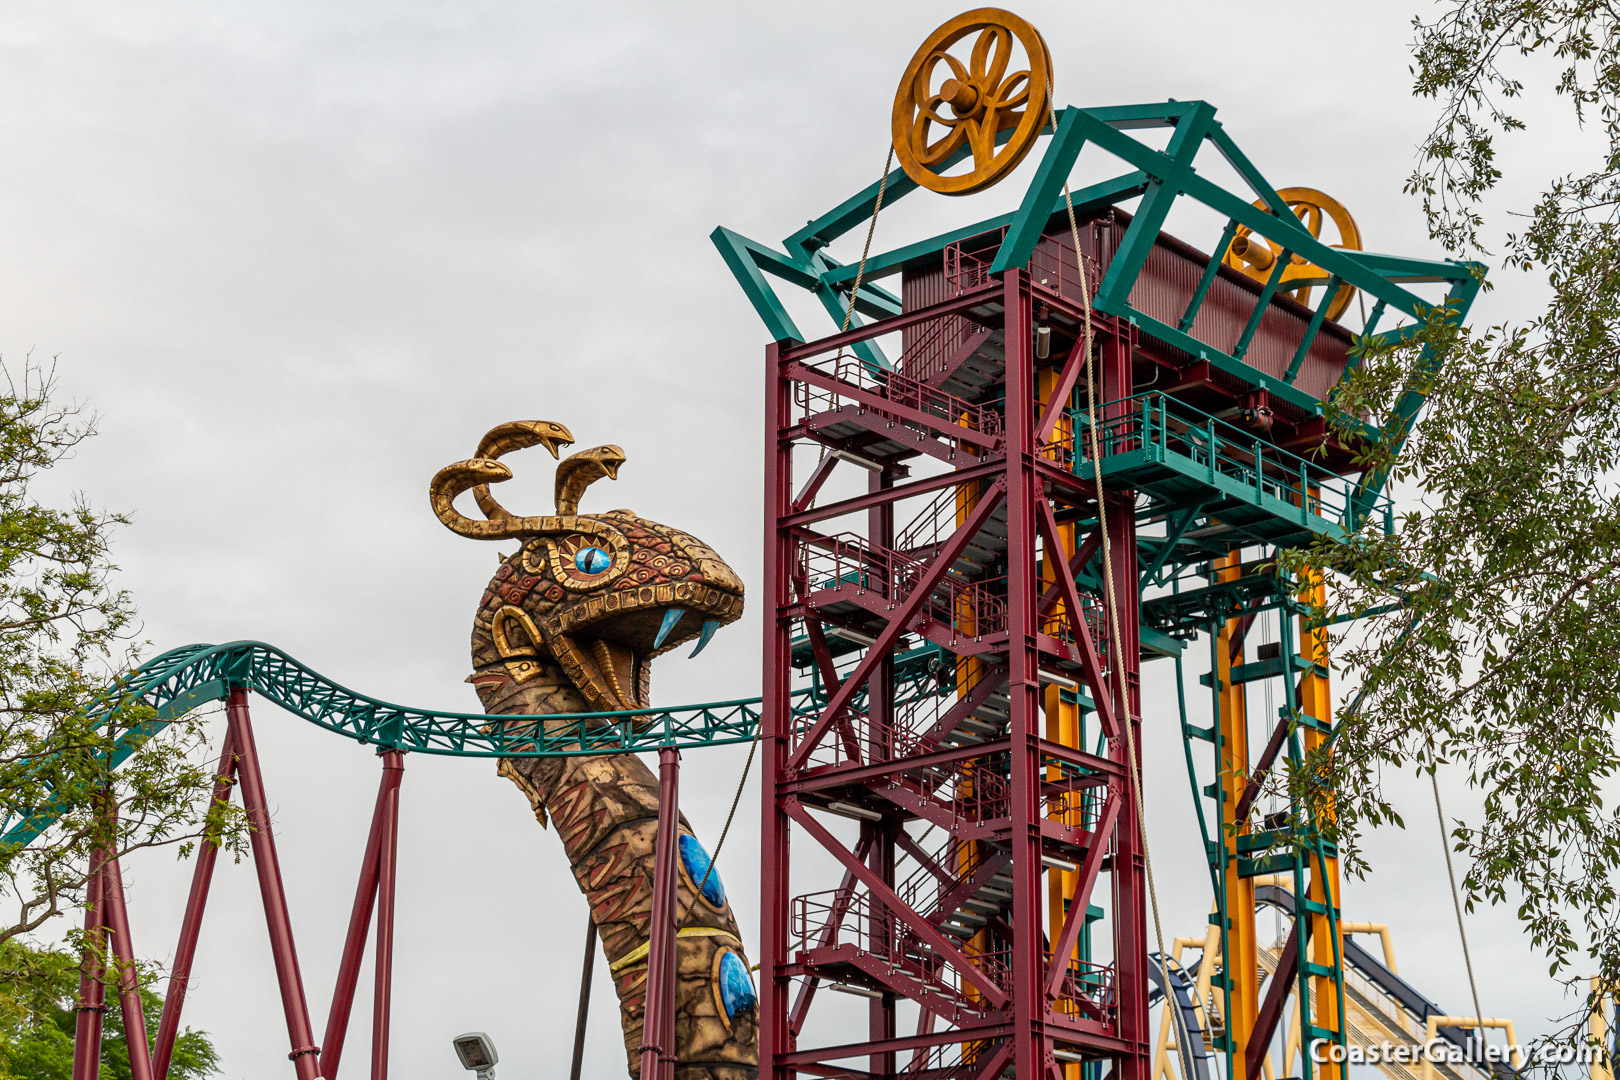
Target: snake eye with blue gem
592 560
699 869
736 985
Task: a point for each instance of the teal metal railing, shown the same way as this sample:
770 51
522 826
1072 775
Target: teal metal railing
183 679
1154 428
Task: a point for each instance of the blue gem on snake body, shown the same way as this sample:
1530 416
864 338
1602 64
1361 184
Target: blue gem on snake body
736 985
592 560
696 861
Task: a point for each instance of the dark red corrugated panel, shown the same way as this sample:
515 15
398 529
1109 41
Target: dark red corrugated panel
1162 290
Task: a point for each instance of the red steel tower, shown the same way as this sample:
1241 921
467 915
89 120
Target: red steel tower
1086 443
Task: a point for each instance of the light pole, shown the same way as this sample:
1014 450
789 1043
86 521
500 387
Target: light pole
477 1052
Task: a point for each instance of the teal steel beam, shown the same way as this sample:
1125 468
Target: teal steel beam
1262 304
1093 197
1223 362
819 232
1172 536
1315 327
1146 115
1180 178
829 271
837 305
1410 403
1400 268
744 257
1173 170
184 678
1211 271
1158 177
1245 168
1029 224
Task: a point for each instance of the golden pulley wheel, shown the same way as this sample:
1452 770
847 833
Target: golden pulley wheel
947 103
1257 256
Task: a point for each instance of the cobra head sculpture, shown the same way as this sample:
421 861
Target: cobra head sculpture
571 623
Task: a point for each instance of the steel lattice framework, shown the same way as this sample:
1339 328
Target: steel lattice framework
182 679
1014 941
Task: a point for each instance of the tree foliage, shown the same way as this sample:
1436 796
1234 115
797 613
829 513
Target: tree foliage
38 991
65 641
1502 655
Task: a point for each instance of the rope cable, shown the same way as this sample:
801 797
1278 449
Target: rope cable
871 227
748 766
1456 902
860 270
1115 660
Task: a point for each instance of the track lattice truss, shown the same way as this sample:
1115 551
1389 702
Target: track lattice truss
182 679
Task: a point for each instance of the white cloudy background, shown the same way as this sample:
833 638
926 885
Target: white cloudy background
301 255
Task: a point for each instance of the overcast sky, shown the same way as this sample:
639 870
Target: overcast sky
301 255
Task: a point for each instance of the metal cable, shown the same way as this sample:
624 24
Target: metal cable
860 270
871 227
748 766
1456 902
1183 1039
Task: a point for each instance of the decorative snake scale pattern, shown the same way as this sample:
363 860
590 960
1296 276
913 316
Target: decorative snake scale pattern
571 623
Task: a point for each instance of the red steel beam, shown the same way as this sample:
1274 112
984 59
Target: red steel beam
305 1054
898 907
658 1015
354 943
949 551
387 859
835 919
1130 885
793 350
129 990
856 503
92 1000
202 876
1076 917
1025 724
777 1037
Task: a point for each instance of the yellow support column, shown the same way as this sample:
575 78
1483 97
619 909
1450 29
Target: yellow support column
1242 962
1316 700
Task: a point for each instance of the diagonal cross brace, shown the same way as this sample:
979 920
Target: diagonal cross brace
991 681
1265 1022
880 890
1076 916
936 570
835 919
1090 666
1060 393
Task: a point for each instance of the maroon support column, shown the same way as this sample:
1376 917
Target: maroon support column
185 952
775 1037
1023 684
305 1054
382 993
658 1018
354 944
1129 873
880 747
92 1000
129 992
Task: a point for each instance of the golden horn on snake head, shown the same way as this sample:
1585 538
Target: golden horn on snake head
516 435
579 471
479 472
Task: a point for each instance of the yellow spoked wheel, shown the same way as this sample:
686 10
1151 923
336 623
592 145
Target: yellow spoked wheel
946 102
1257 256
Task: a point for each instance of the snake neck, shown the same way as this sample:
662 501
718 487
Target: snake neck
547 693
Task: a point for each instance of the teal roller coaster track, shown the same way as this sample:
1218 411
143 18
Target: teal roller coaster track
186 678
